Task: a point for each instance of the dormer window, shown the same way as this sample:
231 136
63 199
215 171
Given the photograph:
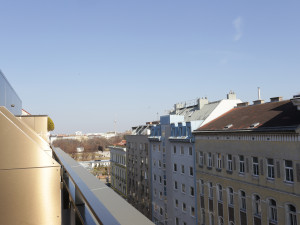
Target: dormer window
254 125
228 126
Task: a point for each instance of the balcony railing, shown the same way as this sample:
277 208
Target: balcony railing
87 200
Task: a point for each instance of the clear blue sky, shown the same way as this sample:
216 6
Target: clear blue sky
88 62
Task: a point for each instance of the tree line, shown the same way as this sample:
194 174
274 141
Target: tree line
90 145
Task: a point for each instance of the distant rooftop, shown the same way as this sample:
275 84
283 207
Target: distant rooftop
268 116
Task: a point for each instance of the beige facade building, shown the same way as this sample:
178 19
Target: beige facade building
138 170
118 169
248 165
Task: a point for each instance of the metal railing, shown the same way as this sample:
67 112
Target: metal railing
87 200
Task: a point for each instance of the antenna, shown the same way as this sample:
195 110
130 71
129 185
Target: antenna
115 125
258 93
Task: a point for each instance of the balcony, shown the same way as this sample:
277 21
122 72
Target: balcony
44 185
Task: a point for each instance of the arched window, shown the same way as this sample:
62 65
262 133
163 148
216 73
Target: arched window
211 219
272 210
242 200
291 215
256 205
230 196
220 192
202 216
210 190
220 220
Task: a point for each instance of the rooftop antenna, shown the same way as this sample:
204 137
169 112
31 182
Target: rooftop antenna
115 125
258 93
157 116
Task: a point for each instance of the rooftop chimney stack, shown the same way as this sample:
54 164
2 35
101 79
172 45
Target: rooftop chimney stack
201 102
296 101
258 93
231 96
276 99
243 104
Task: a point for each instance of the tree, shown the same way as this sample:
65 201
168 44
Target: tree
50 124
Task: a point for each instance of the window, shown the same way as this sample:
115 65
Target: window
159 163
202 216
256 205
201 158
192 211
182 168
201 186
272 210
192 193
242 164
190 150
229 162
154 177
209 160
220 192
255 166
183 188
154 163
182 150
176 203
174 149
160 195
159 179
191 171
211 219
289 176
176 221
243 200
291 215
220 221
175 167
230 196
210 189
219 161
161 211
270 168
183 207
175 185
154 147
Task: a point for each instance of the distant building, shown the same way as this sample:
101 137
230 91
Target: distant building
248 165
173 158
138 169
118 169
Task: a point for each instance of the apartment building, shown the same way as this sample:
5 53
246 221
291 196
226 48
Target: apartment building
248 165
138 169
118 169
173 159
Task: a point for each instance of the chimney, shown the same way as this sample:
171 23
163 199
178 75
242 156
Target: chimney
296 101
243 104
231 96
258 102
258 93
276 99
201 102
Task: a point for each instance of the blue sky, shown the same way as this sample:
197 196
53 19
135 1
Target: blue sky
87 63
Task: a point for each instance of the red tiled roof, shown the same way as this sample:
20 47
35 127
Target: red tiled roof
268 115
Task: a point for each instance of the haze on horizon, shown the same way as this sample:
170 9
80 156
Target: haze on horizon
89 63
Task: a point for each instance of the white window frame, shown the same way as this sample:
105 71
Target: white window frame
191 151
219 161
201 158
220 192
256 205
291 215
229 162
273 217
241 164
270 169
230 196
255 167
191 171
288 171
201 186
209 159
243 201
210 190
